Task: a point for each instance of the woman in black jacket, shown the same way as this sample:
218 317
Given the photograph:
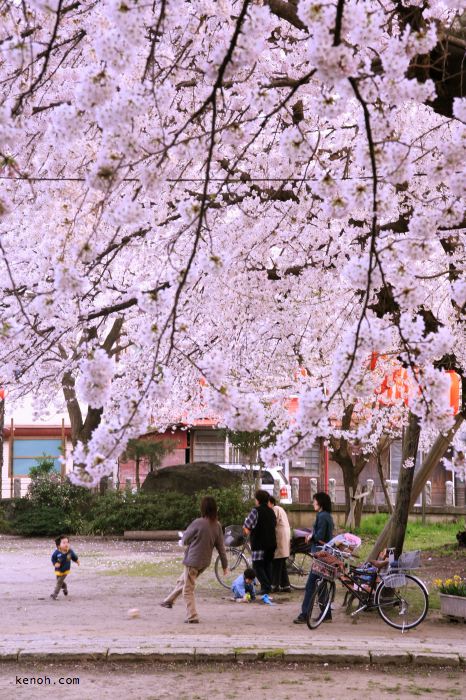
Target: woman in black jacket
323 532
260 524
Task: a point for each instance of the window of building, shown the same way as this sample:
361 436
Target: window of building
236 456
309 461
396 449
209 446
27 451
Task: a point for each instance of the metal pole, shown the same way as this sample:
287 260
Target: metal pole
2 424
326 469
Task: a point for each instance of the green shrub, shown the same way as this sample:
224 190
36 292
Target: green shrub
5 526
41 521
54 491
54 505
232 508
116 512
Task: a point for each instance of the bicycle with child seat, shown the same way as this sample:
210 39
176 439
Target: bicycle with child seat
401 599
240 558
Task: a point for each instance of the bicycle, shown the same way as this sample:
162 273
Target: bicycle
298 564
401 599
240 558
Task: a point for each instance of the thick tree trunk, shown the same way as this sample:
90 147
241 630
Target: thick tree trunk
436 453
350 465
81 430
351 481
92 422
405 484
74 409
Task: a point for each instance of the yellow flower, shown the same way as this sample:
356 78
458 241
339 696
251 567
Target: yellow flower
438 582
456 578
448 582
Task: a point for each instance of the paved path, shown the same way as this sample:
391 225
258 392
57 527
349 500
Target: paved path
234 648
93 623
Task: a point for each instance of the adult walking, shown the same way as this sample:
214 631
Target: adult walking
280 580
323 532
260 525
201 537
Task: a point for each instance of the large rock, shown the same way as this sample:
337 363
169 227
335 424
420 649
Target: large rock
190 478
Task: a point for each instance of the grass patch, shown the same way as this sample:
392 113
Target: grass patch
428 537
434 598
149 569
274 653
418 690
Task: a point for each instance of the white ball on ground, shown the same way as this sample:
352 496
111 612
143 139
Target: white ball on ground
133 612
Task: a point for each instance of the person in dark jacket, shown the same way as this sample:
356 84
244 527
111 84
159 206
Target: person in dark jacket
61 560
260 525
201 537
322 533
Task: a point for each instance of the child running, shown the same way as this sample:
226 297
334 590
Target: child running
243 587
61 559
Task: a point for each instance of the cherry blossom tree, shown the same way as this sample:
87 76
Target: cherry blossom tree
229 190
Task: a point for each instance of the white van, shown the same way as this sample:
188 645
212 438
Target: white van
267 480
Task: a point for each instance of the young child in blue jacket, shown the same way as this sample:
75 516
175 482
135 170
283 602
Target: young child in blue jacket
61 560
244 585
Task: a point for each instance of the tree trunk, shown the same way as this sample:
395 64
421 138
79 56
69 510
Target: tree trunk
81 431
351 480
388 500
405 484
436 453
72 405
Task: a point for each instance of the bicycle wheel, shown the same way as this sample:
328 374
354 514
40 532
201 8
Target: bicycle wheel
237 563
404 606
321 600
298 567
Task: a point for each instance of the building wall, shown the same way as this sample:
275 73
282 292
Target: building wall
23 444
180 449
438 480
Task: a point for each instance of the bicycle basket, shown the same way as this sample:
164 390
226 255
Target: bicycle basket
394 580
323 570
234 536
410 560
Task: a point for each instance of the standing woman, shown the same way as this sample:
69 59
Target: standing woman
280 580
323 532
201 537
260 524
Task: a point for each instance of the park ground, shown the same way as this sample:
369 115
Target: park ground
116 576
269 680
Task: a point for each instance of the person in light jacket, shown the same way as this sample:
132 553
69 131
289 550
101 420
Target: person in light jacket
201 537
280 580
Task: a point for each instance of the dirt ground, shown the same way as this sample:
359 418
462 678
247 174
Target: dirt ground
116 576
258 681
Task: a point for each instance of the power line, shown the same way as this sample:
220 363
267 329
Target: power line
243 181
